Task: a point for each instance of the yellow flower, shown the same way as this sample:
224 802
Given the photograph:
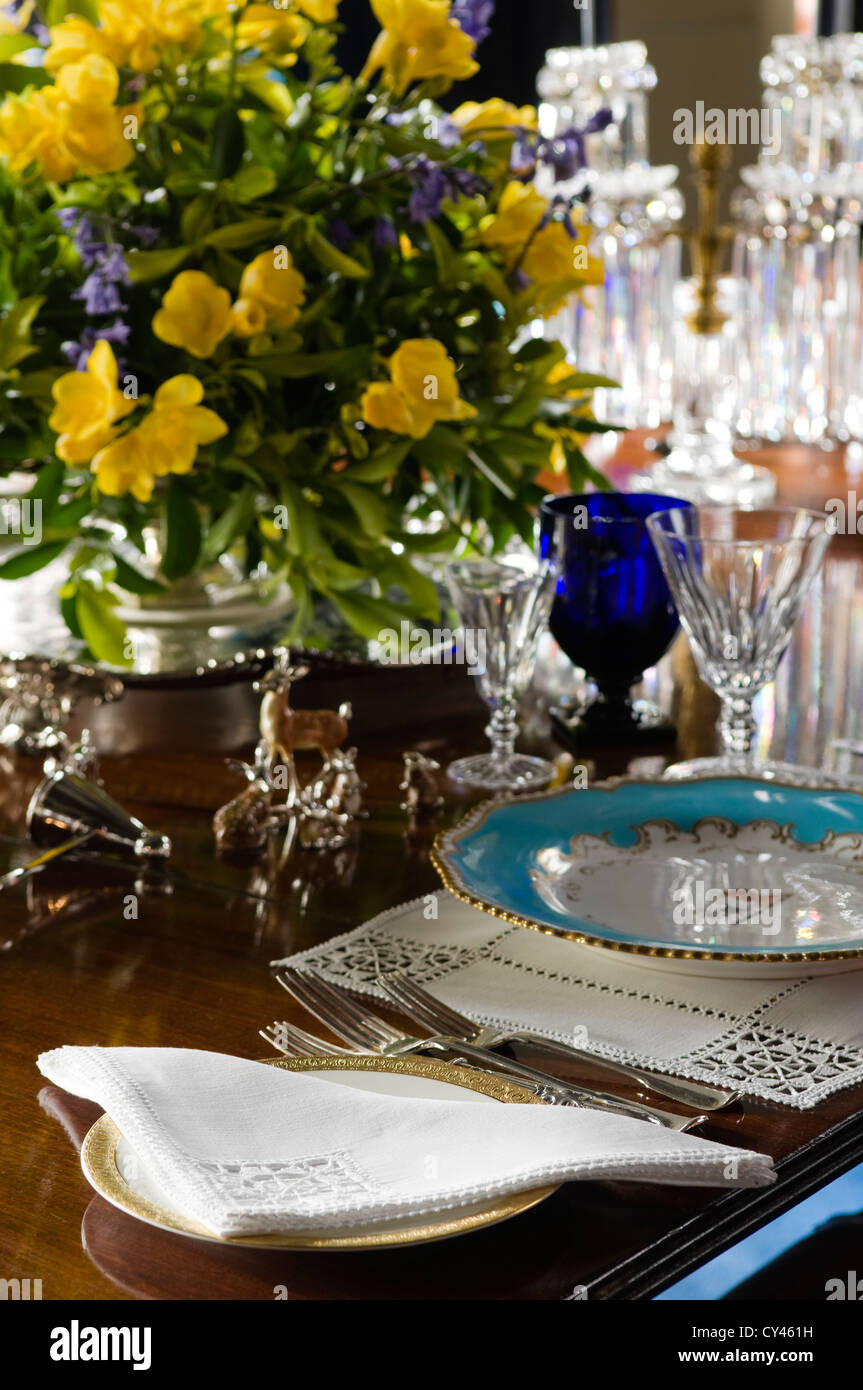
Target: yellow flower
94 81
88 406
520 211
423 390
271 30
248 318
73 126
195 314
553 255
165 442
407 247
419 40
30 130
321 11
75 39
145 28
272 282
494 119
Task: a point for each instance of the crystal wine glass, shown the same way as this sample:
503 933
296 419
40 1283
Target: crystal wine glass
739 577
506 602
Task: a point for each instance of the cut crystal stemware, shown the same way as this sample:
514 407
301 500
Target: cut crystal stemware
506 601
739 577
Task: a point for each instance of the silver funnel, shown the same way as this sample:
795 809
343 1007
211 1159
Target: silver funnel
66 804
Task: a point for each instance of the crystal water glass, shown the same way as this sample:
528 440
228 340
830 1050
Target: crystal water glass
739 578
505 601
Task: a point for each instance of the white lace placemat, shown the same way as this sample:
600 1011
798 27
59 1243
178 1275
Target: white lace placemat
795 1041
247 1149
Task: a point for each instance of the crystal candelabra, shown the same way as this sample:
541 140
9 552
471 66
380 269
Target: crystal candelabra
701 464
797 249
625 332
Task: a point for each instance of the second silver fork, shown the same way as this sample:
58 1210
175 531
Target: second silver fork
423 1008
366 1032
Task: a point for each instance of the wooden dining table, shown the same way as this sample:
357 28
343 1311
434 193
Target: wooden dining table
93 956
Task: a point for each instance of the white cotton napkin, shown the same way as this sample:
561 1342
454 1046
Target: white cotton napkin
246 1149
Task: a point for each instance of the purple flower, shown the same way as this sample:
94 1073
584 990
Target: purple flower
429 190
147 236
77 353
522 158
565 151
113 266
384 233
474 16
100 296
446 132
340 234
67 217
433 183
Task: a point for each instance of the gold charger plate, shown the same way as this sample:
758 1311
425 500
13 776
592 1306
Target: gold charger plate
99 1160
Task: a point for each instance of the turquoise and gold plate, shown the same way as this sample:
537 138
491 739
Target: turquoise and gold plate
721 871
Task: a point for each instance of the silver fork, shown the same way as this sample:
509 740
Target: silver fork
421 1007
366 1032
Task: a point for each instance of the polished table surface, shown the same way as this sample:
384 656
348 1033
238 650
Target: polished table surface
191 971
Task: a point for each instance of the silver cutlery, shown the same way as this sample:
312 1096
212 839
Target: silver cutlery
47 857
421 1007
366 1032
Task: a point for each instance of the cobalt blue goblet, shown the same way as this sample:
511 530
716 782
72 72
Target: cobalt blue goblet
613 614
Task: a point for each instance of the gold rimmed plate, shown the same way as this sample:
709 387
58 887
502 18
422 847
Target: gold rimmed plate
736 875
112 1167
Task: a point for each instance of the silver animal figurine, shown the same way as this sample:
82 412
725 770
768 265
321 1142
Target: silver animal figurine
419 784
331 802
286 731
246 821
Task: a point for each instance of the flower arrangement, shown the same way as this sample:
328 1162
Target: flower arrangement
259 306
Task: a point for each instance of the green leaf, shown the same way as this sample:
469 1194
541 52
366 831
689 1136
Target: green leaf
228 143
397 571
46 489
10 44
343 360
370 509
31 559
68 610
232 523
182 532
238 234
130 579
332 259
303 536
366 615
153 265
103 632
254 181
14 77
381 465
275 95
15 328
187 183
